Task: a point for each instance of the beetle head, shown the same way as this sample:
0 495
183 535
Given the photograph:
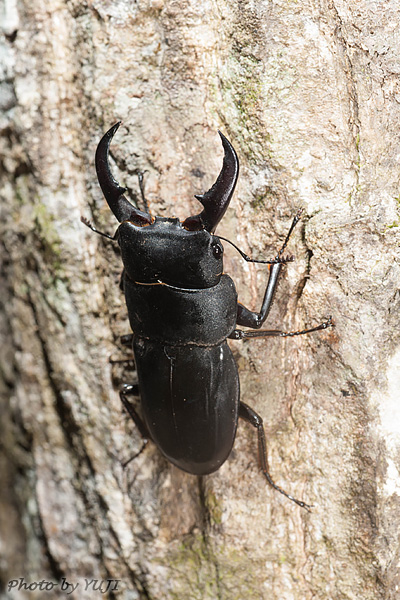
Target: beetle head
165 250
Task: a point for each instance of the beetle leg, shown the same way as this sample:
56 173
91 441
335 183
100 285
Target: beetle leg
249 415
126 340
141 187
238 334
293 225
133 390
121 361
249 318
278 258
121 281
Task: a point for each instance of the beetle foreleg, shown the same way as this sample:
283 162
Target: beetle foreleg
142 194
293 225
248 318
249 415
133 390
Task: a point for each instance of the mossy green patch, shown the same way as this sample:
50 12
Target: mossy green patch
201 571
214 507
47 234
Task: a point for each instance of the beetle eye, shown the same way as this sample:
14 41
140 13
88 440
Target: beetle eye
217 249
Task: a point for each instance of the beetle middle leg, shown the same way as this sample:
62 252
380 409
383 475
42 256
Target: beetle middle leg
126 340
239 334
129 389
249 415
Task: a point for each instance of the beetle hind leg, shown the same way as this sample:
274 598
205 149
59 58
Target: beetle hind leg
250 416
129 389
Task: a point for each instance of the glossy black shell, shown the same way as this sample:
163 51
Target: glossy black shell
190 402
181 309
188 380
165 251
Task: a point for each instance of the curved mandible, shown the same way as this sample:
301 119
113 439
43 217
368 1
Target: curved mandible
217 199
112 191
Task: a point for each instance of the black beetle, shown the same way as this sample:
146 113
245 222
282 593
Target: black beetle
182 308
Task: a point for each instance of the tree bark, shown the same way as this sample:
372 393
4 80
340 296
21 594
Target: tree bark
309 95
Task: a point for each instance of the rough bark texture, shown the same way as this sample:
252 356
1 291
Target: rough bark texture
309 94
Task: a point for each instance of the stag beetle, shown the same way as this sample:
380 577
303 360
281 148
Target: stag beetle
182 308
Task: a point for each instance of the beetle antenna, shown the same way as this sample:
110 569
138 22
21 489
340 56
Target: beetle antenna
93 228
278 258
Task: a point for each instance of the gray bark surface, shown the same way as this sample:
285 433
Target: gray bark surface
309 94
